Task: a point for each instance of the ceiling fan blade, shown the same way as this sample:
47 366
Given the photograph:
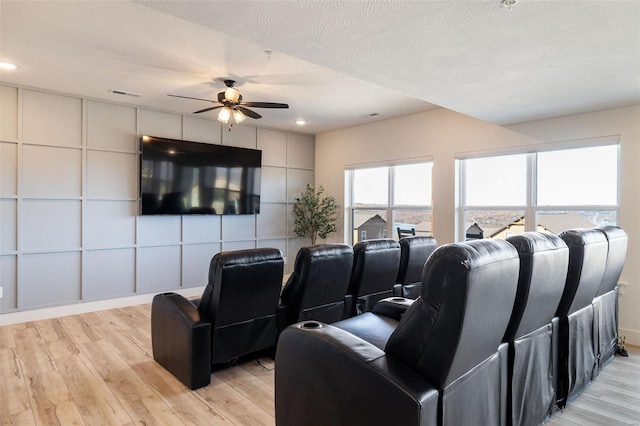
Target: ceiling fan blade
208 109
248 112
264 105
189 97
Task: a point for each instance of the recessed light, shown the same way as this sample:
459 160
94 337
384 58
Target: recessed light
7 66
301 122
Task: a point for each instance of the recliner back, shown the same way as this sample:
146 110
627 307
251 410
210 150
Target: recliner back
532 332
375 268
616 255
476 283
241 299
544 261
414 252
317 287
587 258
605 304
577 346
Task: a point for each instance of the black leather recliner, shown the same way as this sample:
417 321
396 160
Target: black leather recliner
414 252
577 339
442 363
532 333
605 304
236 316
318 285
373 277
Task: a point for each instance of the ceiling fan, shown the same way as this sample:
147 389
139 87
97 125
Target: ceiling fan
232 106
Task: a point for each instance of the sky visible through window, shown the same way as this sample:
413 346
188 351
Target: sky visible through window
586 176
496 181
412 185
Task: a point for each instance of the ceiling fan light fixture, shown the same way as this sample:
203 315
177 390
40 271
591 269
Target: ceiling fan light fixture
224 115
238 116
7 66
232 94
508 4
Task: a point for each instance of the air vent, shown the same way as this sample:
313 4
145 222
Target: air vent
125 93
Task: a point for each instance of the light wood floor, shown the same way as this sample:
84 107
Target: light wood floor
97 369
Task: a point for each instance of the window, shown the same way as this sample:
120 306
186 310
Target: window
545 191
383 201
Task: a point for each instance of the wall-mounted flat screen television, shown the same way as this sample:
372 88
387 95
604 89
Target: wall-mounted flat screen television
181 177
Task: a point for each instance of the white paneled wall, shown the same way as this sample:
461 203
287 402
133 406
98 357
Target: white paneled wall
69 200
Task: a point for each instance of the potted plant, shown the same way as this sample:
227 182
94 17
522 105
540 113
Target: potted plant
315 216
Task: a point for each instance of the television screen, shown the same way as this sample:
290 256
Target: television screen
180 177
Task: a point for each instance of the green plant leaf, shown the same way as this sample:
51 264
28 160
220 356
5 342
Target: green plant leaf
315 215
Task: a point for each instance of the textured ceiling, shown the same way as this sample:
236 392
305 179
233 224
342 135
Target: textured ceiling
335 62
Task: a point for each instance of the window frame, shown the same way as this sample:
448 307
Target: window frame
390 208
531 207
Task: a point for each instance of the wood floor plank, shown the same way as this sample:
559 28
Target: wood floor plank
262 368
80 329
249 386
123 382
152 411
596 406
96 402
125 345
14 396
21 419
187 405
130 317
33 350
60 342
51 400
6 338
235 406
622 399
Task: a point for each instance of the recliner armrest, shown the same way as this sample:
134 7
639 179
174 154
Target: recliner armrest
349 306
392 307
397 289
181 339
325 375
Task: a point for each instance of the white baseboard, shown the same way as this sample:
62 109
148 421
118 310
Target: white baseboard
632 337
82 308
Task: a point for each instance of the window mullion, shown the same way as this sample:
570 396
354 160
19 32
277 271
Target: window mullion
531 200
390 202
462 200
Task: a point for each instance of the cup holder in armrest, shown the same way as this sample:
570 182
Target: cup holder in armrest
397 299
310 325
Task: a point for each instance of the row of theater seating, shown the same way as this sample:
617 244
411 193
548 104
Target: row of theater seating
331 282
503 333
242 309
